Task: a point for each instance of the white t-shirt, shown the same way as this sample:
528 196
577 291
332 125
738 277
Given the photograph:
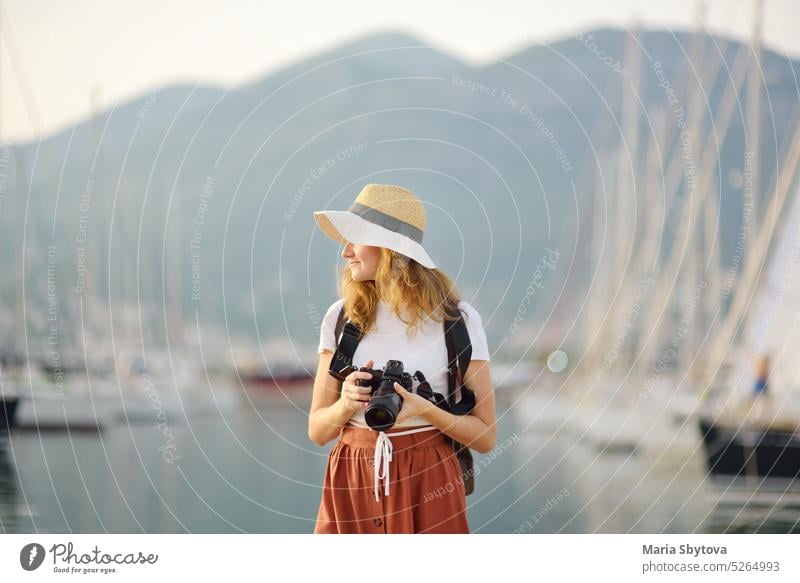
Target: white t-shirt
426 351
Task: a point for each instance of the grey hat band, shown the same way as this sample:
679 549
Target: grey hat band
382 219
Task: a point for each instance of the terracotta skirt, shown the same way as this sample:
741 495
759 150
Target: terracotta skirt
426 493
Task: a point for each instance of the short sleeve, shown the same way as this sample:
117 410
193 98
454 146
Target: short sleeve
477 335
327 333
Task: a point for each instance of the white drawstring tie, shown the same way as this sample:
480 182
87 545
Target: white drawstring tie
383 455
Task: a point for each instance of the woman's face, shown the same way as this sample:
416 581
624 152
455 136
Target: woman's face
362 259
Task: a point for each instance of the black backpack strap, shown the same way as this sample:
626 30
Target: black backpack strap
459 355
345 346
339 324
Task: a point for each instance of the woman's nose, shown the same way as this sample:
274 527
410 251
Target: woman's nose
348 250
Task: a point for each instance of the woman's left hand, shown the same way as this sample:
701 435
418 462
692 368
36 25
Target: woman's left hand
413 404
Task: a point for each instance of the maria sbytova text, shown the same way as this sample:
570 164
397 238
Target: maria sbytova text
683 550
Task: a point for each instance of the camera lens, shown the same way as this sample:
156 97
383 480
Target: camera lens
384 405
381 416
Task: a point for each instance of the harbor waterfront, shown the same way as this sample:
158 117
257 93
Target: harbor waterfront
248 466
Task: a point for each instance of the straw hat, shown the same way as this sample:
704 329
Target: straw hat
383 215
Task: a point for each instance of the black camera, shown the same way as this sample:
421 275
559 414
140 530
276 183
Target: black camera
384 404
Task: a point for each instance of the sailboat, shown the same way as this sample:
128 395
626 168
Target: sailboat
751 428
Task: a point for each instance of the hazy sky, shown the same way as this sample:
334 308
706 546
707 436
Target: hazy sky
56 52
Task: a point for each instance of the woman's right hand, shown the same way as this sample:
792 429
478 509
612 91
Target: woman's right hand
355 397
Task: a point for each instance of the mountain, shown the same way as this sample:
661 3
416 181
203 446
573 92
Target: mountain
216 186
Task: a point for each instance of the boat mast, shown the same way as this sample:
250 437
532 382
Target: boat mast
95 213
754 96
753 266
17 245
705 176
621 199
173 272
753 131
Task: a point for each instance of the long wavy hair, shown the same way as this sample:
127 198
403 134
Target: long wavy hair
409 288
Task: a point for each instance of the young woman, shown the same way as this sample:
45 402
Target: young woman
395 294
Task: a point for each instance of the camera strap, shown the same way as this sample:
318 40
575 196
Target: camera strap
345 347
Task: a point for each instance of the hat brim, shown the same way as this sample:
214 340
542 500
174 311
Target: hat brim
344 226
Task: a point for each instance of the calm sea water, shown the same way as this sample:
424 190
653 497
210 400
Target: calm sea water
254 470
